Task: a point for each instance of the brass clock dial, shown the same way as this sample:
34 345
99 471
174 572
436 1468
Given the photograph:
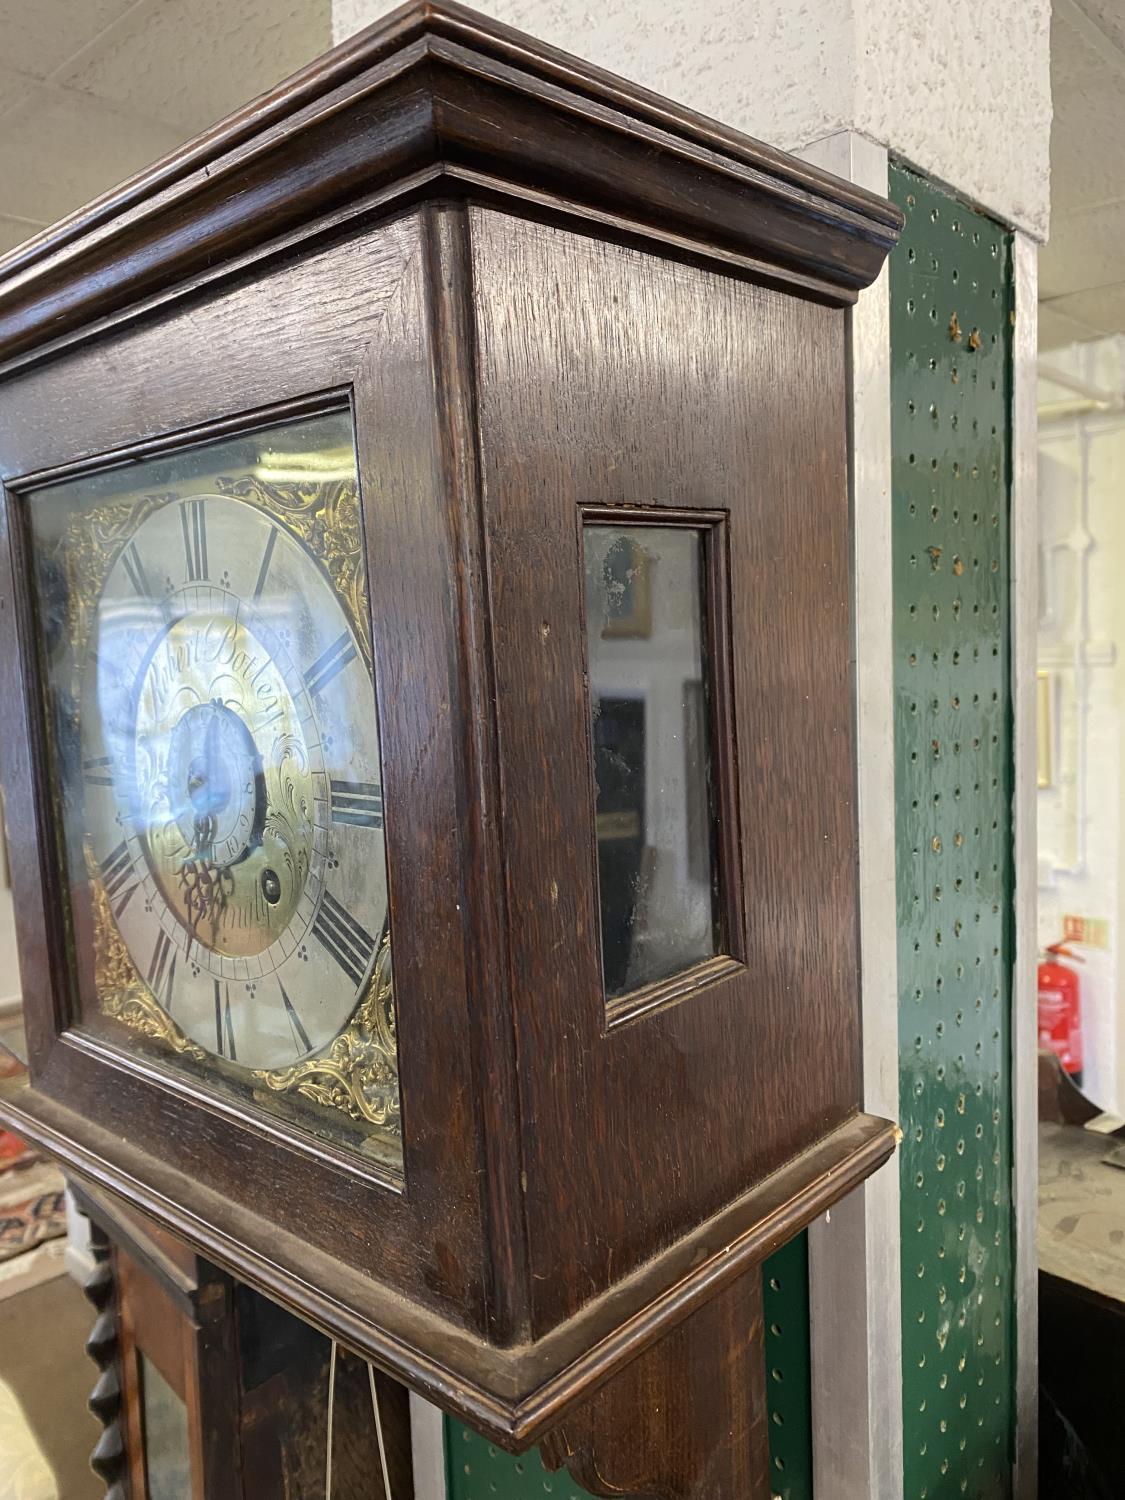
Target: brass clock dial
246 880
226 782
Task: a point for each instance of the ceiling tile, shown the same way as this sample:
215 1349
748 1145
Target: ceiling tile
1085 250
1108 16
15 89
39 35
64 149
13 232
1103 310
1056 329
192 64
1087 159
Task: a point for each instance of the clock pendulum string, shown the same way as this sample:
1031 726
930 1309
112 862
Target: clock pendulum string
378 1426
331 1414
379 1432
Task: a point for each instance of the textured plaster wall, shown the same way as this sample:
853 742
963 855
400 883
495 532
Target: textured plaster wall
961 89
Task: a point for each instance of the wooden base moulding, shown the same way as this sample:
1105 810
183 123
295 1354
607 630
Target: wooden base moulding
518 1394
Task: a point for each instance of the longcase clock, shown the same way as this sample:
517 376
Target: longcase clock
428 741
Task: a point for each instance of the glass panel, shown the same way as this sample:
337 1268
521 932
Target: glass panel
167 1456
647 644
205 636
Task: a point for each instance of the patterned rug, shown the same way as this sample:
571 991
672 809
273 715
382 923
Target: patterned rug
32 1207
13 1151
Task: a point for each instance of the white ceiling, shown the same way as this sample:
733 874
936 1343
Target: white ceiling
1082 268
93 90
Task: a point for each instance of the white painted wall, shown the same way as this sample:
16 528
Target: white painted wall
961 88
1081 638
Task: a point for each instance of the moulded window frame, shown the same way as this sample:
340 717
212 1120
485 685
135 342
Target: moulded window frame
713 528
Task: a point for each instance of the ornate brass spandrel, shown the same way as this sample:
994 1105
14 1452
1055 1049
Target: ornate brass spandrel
324 517
358 1071
89 547
121 992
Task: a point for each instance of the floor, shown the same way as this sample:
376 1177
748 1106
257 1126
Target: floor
46 1432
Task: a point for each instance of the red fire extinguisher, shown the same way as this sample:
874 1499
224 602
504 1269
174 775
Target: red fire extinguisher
1060 1009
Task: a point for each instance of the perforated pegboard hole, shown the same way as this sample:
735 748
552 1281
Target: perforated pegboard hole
477 1470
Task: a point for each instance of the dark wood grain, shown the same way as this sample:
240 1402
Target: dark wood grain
684 1421
492 1040
650 1128
370 337
193 1349
478 441
514 1395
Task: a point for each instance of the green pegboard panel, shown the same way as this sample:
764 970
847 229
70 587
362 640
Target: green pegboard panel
785 1298
477 1470
951 301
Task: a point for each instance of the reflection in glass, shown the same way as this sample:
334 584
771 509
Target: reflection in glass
647 647
205 638
167 1456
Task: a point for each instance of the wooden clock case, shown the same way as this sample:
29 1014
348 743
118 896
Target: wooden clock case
549 298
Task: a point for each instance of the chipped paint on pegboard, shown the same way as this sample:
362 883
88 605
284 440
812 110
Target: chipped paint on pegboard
951 299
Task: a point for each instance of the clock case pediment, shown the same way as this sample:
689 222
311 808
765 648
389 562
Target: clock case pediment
383 231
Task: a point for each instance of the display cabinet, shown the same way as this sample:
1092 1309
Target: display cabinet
428 696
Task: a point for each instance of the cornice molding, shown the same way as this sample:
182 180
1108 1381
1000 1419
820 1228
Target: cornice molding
435 100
